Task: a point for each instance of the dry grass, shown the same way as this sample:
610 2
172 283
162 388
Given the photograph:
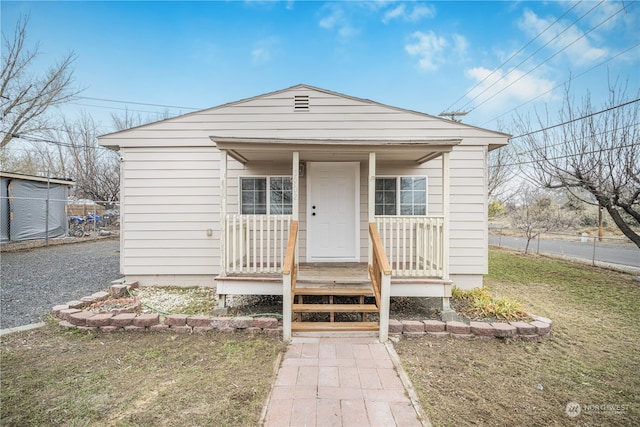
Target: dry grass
591 357
54 377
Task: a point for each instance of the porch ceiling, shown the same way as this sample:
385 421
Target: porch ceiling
247 150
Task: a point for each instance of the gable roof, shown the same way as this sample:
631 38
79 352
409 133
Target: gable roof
304 112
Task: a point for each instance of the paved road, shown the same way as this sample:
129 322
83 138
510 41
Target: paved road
611 253
33 281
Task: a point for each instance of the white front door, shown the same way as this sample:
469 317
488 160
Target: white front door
333 211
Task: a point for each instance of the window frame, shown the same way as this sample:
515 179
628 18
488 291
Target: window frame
398 198
267 195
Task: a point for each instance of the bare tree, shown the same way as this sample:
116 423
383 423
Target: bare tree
95 169
535 212
25 97
128 119
500 171
594 154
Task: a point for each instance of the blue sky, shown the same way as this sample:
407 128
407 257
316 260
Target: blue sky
423 56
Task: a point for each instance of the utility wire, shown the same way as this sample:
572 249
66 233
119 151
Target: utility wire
576 119
449 108
565 156
60 143
547 59
138 103
114 108
563 83
530 56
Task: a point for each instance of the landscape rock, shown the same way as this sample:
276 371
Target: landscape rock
148 319
200 321
504 330
458 328
100 320
434 326
176 320
412 326
395 326
122 319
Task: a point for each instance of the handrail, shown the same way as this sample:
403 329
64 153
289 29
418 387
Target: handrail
380 273
378 249
289 277
290 256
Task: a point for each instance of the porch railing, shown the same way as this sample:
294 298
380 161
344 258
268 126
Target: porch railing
256 243
380 274
289 277
414 245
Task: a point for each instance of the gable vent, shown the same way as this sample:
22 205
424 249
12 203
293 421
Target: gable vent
301 103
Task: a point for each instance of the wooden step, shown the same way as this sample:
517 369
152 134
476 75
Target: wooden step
342 292
335 308
334 326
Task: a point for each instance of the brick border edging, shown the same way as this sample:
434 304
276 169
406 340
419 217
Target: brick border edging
75 314
539 328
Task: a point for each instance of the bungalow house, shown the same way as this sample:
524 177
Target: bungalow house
314 195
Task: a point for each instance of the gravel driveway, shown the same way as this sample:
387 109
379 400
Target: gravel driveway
33 281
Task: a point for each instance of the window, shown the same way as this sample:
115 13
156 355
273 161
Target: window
412 192
266 194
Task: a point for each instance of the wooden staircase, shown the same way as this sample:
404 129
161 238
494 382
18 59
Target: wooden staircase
334 307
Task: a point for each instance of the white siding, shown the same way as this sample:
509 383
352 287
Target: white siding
169 200
468 220
330 116
170 178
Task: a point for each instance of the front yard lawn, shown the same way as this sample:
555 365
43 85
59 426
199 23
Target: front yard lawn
52 377
592 357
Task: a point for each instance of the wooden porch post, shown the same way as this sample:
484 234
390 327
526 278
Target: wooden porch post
222 299
445 229
372 198
289 277
295 182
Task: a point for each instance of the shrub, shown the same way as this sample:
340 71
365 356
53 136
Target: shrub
478 302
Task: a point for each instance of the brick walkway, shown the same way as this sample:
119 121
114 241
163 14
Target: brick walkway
339 382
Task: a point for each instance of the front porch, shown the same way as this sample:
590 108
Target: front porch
407 255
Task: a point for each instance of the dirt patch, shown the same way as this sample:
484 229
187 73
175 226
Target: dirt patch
56 377
591 357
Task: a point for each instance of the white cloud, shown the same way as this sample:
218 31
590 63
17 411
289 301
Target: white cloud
422 11
432 50
573 43
263 50
336 20
260 55
501 90
418 12
396 12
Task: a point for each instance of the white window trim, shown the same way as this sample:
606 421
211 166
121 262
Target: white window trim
398 178
268 178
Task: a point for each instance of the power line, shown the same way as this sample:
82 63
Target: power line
50 141
565 82
547 59
513 56
138 103
529 57
113 108
576 119
565 156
